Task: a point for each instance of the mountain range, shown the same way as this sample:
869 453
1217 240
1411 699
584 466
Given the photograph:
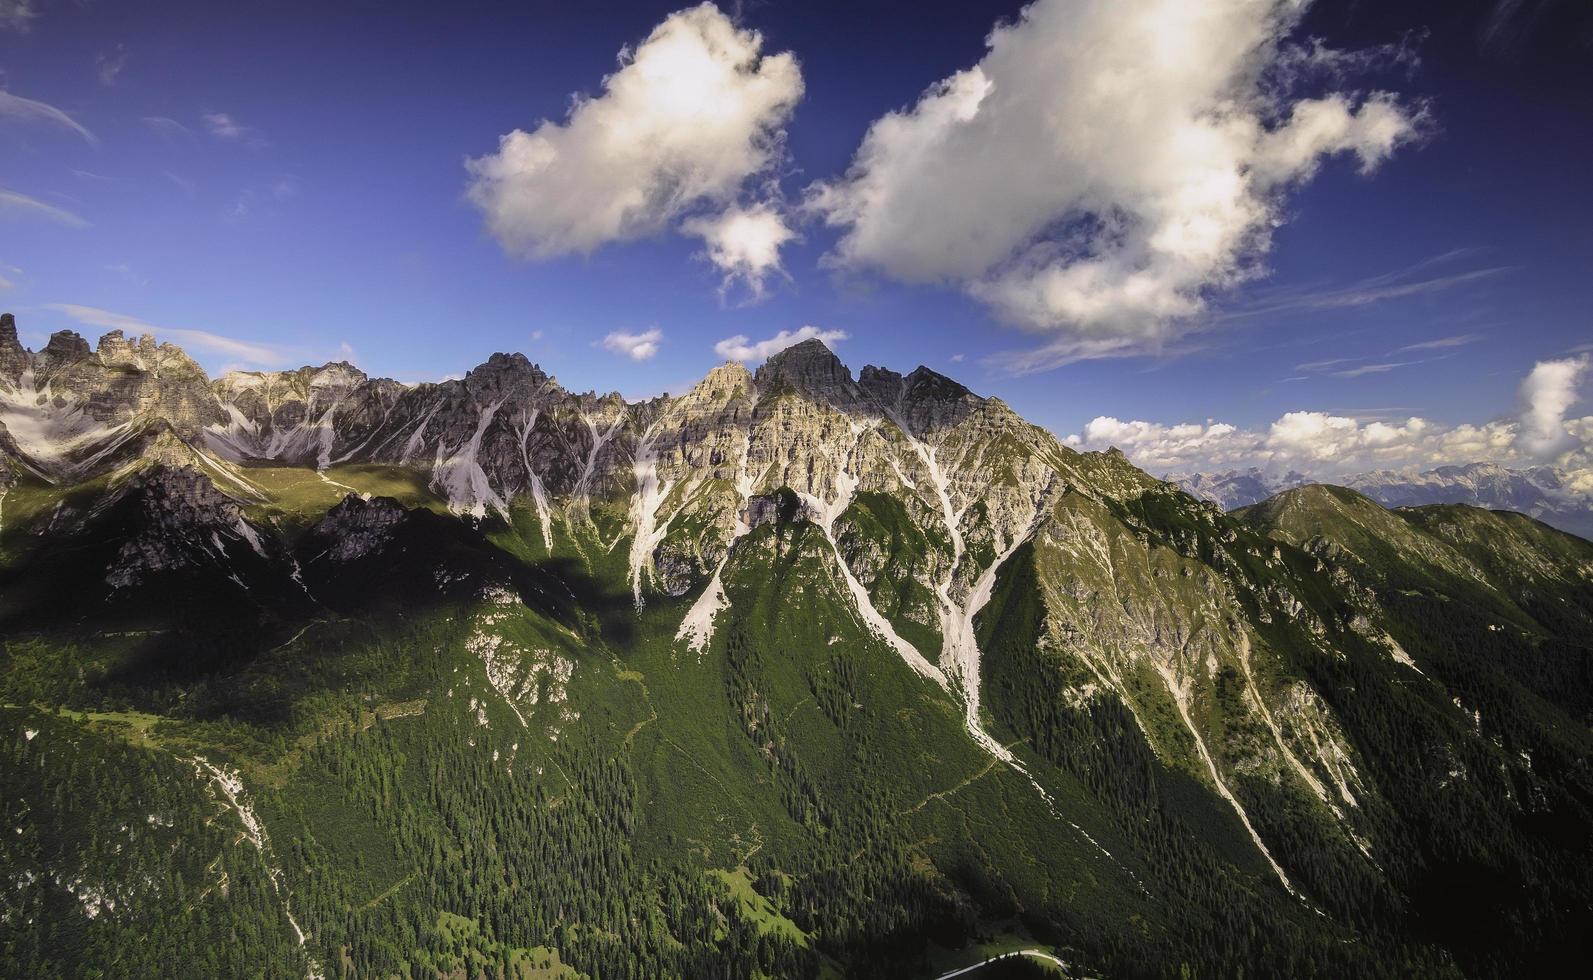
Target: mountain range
798 673
1541 492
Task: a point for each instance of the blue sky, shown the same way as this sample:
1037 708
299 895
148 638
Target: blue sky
295 178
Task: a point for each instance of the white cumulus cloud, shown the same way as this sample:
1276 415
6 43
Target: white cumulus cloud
744 348
690 114
1103 169
1547 394
636 346
1321 444
744 243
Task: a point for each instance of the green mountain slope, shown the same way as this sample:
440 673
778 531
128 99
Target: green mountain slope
969 691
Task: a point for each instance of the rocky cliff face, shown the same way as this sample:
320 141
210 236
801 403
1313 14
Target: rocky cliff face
14 358
74 412
296 417
180 521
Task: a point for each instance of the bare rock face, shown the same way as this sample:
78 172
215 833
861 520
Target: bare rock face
304 417
14 358
694 476
505 430
148 381
181 521
358 527
64 349
676 476
71 409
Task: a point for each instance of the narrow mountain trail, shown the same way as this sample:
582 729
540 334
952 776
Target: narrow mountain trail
1037 954
321 474
952 790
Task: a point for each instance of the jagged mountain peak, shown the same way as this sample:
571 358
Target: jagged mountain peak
115 350
925 382
730 374
334 374
14 358
64 348
810 368
512 362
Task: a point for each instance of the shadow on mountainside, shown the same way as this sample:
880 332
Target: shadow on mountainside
226 603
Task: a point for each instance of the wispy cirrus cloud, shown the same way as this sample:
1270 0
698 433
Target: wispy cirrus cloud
244 351
108 67
1512 25
1442 343
223 126
17 203
1440 348
1374 368
128 274
16 109
1420 279
167 127
182 183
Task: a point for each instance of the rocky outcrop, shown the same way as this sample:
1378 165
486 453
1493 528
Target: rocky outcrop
64 349
73 411
180 520
357 527
14 358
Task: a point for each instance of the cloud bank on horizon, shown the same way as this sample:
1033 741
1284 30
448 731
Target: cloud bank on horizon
1325 446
